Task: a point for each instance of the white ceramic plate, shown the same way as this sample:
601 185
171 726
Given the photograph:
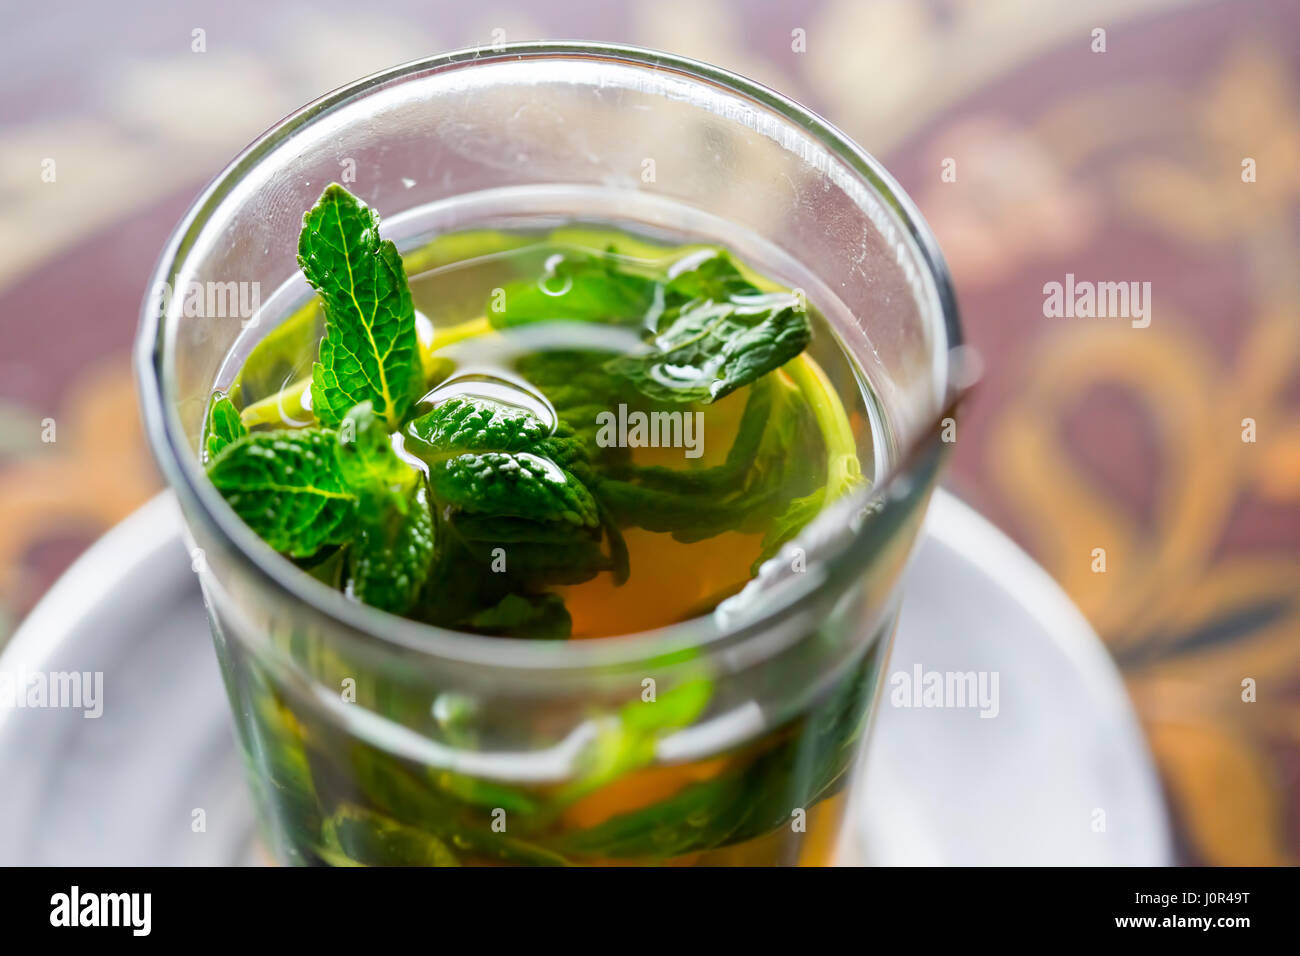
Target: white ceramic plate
1060 776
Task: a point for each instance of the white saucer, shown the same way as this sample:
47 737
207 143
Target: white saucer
1060 776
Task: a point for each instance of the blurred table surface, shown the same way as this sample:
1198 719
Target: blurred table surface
1122 165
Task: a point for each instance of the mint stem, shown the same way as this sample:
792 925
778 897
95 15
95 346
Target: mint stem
842 466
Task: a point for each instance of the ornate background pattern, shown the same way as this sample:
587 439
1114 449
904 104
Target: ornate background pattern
1123 165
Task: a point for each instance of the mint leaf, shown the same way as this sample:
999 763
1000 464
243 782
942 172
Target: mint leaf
518 485
469 586
495 528
512 492
713 348
460 583
628 743
370 351
366 456
800 511
532 564
576 384
356 836
790 522
579 287
532 554
467 423
393 550
708 275
765 468
744 448
289 488
714 332
525 615
490 458
394 544
224 425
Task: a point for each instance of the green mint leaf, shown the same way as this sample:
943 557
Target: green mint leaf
619 557
765 468
715 333
460 583
496 528
468 423
487 793
789 523
513 485
532 554
355 836
628 742
326 565
437 804
470 584
531 565
393 550
744 449
513 492
525 615
224 425
800 511
708 275
579 389
578 287
288 487
667 511
678 707
366 456
713 348
698 817
490 458
370 351
283 762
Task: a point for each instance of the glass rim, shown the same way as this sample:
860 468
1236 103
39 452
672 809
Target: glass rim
176 457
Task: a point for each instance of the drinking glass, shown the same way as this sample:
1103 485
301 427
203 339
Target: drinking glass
731 738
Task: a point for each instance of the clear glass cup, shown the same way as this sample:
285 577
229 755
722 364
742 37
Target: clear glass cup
378 740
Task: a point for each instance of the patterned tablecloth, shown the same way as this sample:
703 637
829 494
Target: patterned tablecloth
1164 150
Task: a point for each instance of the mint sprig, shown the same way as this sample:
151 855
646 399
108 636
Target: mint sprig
463 512
307 489
370 351
289 488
